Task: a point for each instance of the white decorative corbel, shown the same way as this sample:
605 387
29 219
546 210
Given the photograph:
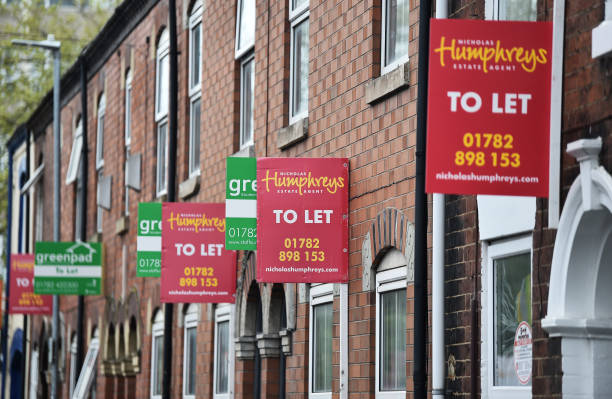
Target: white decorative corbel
586 151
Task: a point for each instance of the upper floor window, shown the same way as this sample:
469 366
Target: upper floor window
128 108
507 308
321 334
189 352
395 33
100 132
162 89
391 327
157 345
245 26
515 10
247 97
223 353
75 154
195 48
161 111
298 74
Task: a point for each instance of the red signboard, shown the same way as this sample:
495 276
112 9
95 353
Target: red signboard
302 220
489 107
22 299
195 266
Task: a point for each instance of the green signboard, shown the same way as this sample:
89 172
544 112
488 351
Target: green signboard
241 204
68 268
148 243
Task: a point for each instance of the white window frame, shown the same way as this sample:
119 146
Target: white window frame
191 321
128 135
242 50
224 312
386 280
319 294
75 154
73 365
162 190
100 131
157 331
491 252
243 63
163 51
383 45
195 19
296 17
193 170
99 210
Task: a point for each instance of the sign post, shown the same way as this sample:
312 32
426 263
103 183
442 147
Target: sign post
22 298
196 267
68 268
302 220
489 104
148 242
241 203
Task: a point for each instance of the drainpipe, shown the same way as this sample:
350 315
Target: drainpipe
437 277
24 359
80 339
172 119
420 222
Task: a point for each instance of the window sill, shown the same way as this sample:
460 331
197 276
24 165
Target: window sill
189 187
122 224
601 44
292 134
96 237
246 152
387 84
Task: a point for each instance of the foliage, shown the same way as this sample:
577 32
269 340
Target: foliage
26 73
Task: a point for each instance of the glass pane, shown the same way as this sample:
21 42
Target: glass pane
518 10
128 113
161 156
295 4
190 362
196 49
248 90
397 28
223 357
194 156
512 279
162 85
322 370
100 143
247 24
393 340
300 68
157 372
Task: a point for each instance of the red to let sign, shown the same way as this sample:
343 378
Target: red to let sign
302 220
489 107
22 299
195 266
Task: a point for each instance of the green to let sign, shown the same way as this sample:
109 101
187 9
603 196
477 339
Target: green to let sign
148 242
241 203
68 268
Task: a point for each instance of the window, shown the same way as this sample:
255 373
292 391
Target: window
298 93
40 209
245 27
100 132
321 334
247 97
223 370
395 34
195 88
157 342
161 111
75 154
189 352
391 327
73 364
515 10
508 311
99 210
128 134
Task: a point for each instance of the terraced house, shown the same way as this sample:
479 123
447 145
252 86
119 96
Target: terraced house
313 78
